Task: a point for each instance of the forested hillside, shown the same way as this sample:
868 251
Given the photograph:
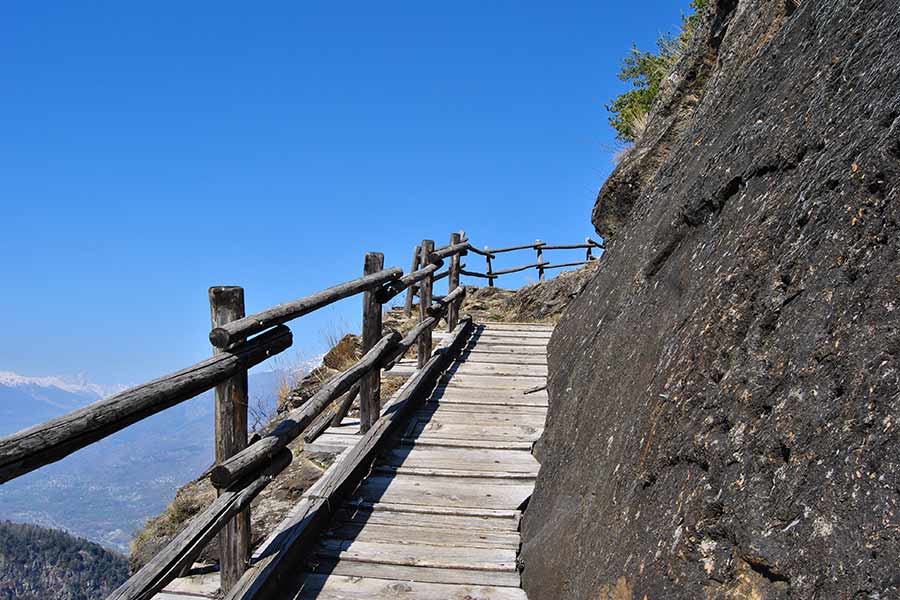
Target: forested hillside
38 563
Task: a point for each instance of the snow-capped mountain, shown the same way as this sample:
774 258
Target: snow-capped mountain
106 491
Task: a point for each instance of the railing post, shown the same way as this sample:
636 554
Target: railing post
489 270
370 385
226 304
453 283
425 288
407 309
540 260
589 255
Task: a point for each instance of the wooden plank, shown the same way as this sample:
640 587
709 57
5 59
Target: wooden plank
513 515
440 415
418 574
418 555
494 409
511 340
473 524
504 359
453 443
509 325
423 472
490 383
485 347
479 431
537 334
49 442
430 536
463 458
447 492
339 587
476 368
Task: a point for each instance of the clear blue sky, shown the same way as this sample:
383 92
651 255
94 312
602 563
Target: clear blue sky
147 152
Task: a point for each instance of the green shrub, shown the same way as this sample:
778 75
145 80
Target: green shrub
646 71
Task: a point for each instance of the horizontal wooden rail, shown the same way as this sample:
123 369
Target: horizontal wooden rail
517 269
475 274
190 541
391 289
451 250
571 246
48 442
444 303
277 569
571 264
253 457
481 252
222 337
532 246
325 420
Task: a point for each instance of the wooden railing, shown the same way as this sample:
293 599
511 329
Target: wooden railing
242 471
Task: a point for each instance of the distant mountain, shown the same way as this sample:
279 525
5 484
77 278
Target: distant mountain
38 563
106 491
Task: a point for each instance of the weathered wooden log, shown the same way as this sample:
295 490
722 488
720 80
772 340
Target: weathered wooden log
370 384
441 275
571 264
276 571
190 541
407 308
425 289
453 284
391 289
570 246
221 337
332 418
485 252
516 269
490 269
445 303
226 304
475 274
454 249
406 343
540 259
253 457
346 402
514 248
42 444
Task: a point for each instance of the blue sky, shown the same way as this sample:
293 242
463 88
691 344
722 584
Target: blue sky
148 152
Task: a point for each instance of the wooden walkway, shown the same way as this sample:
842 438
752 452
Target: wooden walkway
438 517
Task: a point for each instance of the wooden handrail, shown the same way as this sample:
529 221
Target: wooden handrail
48 442
391 289
222 336
256 455
184 548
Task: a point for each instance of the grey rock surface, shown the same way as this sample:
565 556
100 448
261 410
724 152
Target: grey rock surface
725 392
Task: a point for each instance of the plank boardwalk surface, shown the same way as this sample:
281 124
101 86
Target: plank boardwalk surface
438 516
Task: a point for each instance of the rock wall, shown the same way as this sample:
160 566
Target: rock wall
725 392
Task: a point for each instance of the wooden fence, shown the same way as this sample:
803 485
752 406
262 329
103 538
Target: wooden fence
240 342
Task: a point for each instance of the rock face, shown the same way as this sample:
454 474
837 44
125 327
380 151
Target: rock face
725 393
